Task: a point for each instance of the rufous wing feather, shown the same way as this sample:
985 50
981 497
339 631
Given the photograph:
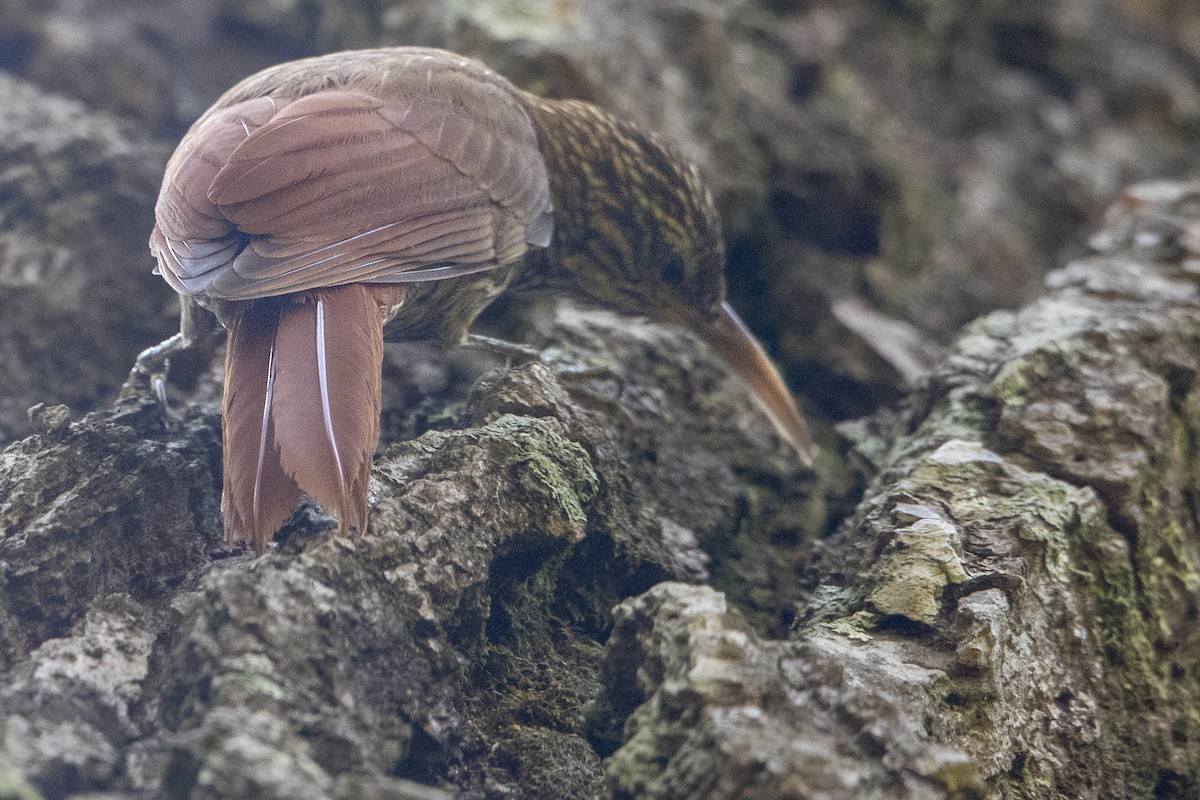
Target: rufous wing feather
395 166
327 396
258 494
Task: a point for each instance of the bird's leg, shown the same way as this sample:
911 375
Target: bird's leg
198 337
514 354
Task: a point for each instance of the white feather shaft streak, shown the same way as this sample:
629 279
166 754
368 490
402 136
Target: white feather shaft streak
258 494
263 433
323 375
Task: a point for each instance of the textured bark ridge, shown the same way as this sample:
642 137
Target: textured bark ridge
1010 611
457 644
597 573
1007 613
886 172
76 189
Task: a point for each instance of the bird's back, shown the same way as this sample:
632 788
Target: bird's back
391 165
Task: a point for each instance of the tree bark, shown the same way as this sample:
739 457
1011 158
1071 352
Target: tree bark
1010 611
598 573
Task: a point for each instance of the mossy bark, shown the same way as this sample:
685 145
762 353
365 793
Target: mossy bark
598 573
1008 612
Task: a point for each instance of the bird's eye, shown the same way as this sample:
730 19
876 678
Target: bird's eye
674 273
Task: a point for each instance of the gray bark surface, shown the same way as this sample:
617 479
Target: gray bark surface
76 298
886 172
1010 611
598 573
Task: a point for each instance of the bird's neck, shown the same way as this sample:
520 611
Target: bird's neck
622 199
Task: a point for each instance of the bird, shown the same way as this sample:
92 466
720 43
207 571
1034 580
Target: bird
325 204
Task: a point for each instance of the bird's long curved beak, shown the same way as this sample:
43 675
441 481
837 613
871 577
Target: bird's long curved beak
737 345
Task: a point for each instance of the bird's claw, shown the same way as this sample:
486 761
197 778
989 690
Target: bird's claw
149 374
513 353
581 383
594 374
518 355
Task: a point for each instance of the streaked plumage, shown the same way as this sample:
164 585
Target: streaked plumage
319 200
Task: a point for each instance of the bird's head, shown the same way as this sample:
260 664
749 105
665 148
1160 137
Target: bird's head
683 283
637 231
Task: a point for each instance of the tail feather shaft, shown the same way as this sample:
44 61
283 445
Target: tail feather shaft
258 494
302 404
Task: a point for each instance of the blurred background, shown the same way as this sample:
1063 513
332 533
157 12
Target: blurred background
887 170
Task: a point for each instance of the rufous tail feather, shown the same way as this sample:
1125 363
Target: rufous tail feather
302 404
258 494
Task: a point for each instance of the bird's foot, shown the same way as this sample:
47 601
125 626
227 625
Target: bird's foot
599 387
149 374
593 375
513 353
184 356
584 377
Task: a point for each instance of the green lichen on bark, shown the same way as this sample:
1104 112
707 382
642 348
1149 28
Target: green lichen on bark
1007 613
13 785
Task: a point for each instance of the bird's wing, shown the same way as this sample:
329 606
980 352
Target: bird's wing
270 196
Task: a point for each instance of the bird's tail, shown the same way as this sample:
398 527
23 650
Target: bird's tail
301 408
